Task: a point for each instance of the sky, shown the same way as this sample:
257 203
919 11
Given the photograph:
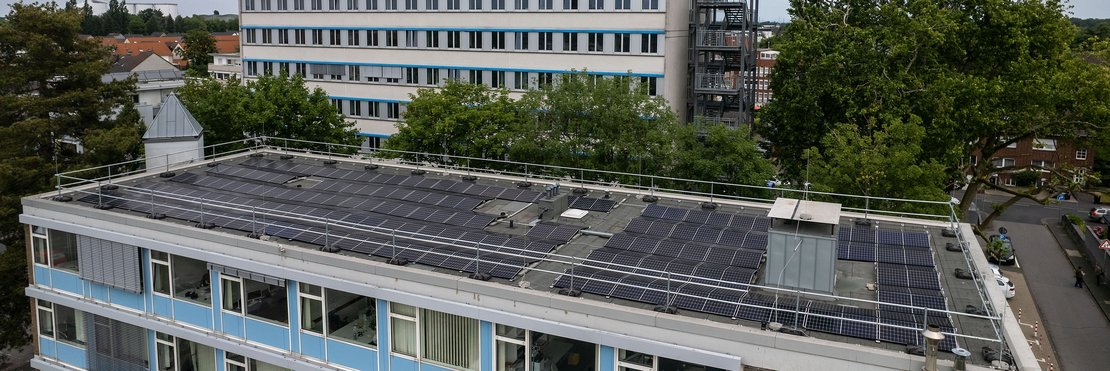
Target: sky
769 10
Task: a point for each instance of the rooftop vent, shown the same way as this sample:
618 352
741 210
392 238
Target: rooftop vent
801 245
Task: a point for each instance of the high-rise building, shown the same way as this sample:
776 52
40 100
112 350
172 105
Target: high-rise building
273 258
371 55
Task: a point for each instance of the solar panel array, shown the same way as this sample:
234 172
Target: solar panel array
884 246
674 256
429 227
554 231
592 204
407 181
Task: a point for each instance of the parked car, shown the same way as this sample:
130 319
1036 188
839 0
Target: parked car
1003 283
1006 257
1097 213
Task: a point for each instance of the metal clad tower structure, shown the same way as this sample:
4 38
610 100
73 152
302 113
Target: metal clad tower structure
722 61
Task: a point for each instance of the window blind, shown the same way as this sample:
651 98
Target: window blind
110 263
450 339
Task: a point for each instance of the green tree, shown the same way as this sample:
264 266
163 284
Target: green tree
153 19
51 90
169 24
116 18
198 45
277 106
976 77
135 25
190 23
718 153
460 119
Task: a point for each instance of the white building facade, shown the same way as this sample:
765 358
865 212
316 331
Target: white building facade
167 9
370 55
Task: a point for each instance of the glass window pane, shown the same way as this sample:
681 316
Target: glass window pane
194 356
266 301
510 332
449 339
160 256
568 354
510 357
233 295
40 250
312 316
628 356
71 324
405 310
165 356
190 280
351 317
402 334
46 322
309 289
256 365
161 274
63 250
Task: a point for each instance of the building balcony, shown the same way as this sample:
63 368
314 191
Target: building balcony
717 82
723 3
731 122
722 39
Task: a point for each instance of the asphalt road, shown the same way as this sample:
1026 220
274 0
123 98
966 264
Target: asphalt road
1029 212
1079 331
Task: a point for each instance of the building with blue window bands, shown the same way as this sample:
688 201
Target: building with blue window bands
370 55
276 259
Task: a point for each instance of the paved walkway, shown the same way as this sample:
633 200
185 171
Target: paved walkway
1077 326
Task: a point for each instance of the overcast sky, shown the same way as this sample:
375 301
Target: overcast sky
769 10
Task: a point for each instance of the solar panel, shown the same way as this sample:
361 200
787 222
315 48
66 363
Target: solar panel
592 204
908 276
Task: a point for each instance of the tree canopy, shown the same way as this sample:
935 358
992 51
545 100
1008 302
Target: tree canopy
51 96
975 77
581 121
277 106
199 45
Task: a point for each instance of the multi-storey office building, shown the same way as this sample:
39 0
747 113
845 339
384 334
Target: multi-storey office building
263 260
370 55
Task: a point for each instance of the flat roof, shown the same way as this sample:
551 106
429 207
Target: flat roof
805 210
701 256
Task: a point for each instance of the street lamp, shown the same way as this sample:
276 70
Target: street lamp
932 341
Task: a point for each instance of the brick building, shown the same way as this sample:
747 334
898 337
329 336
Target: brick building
1042 152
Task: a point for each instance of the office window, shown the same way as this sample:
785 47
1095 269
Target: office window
298 4
298 37
252 69
498 40
353 37
265 301
520 4
1081 154
597 4
334 37
431 39
545 40
232 289
317 4
267 36
354 73
46 318
391 38
649 44
283 4
497 79
372 37
190 280
410 5
302 70
453 4
438 337
351 317
570 41
402 329
180 354
268 68
433 76
283 37
317 37
393 110
454 39
650 85
546 4
390 4
248 4
620 42
570 4
248 36
497 4
595 41
371 4
267 5
520 80
412 39
520 40
352 4
372 109
160 270
39 246
412 75
512 348
311 307
333 5
475 39
454 74
431 5
63 250
650 4
545 79
475 4
476 77
69 324
622 4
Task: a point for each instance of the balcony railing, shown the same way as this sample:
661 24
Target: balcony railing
726 121
722 39
716 81
723 2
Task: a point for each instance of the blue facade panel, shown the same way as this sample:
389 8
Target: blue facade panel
312 345
401 364
66 281
47 348
72 355
294 315
485 334
606 358
193 314
42 275
263 332
126 298
98 292
352 356
163 306
232 324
